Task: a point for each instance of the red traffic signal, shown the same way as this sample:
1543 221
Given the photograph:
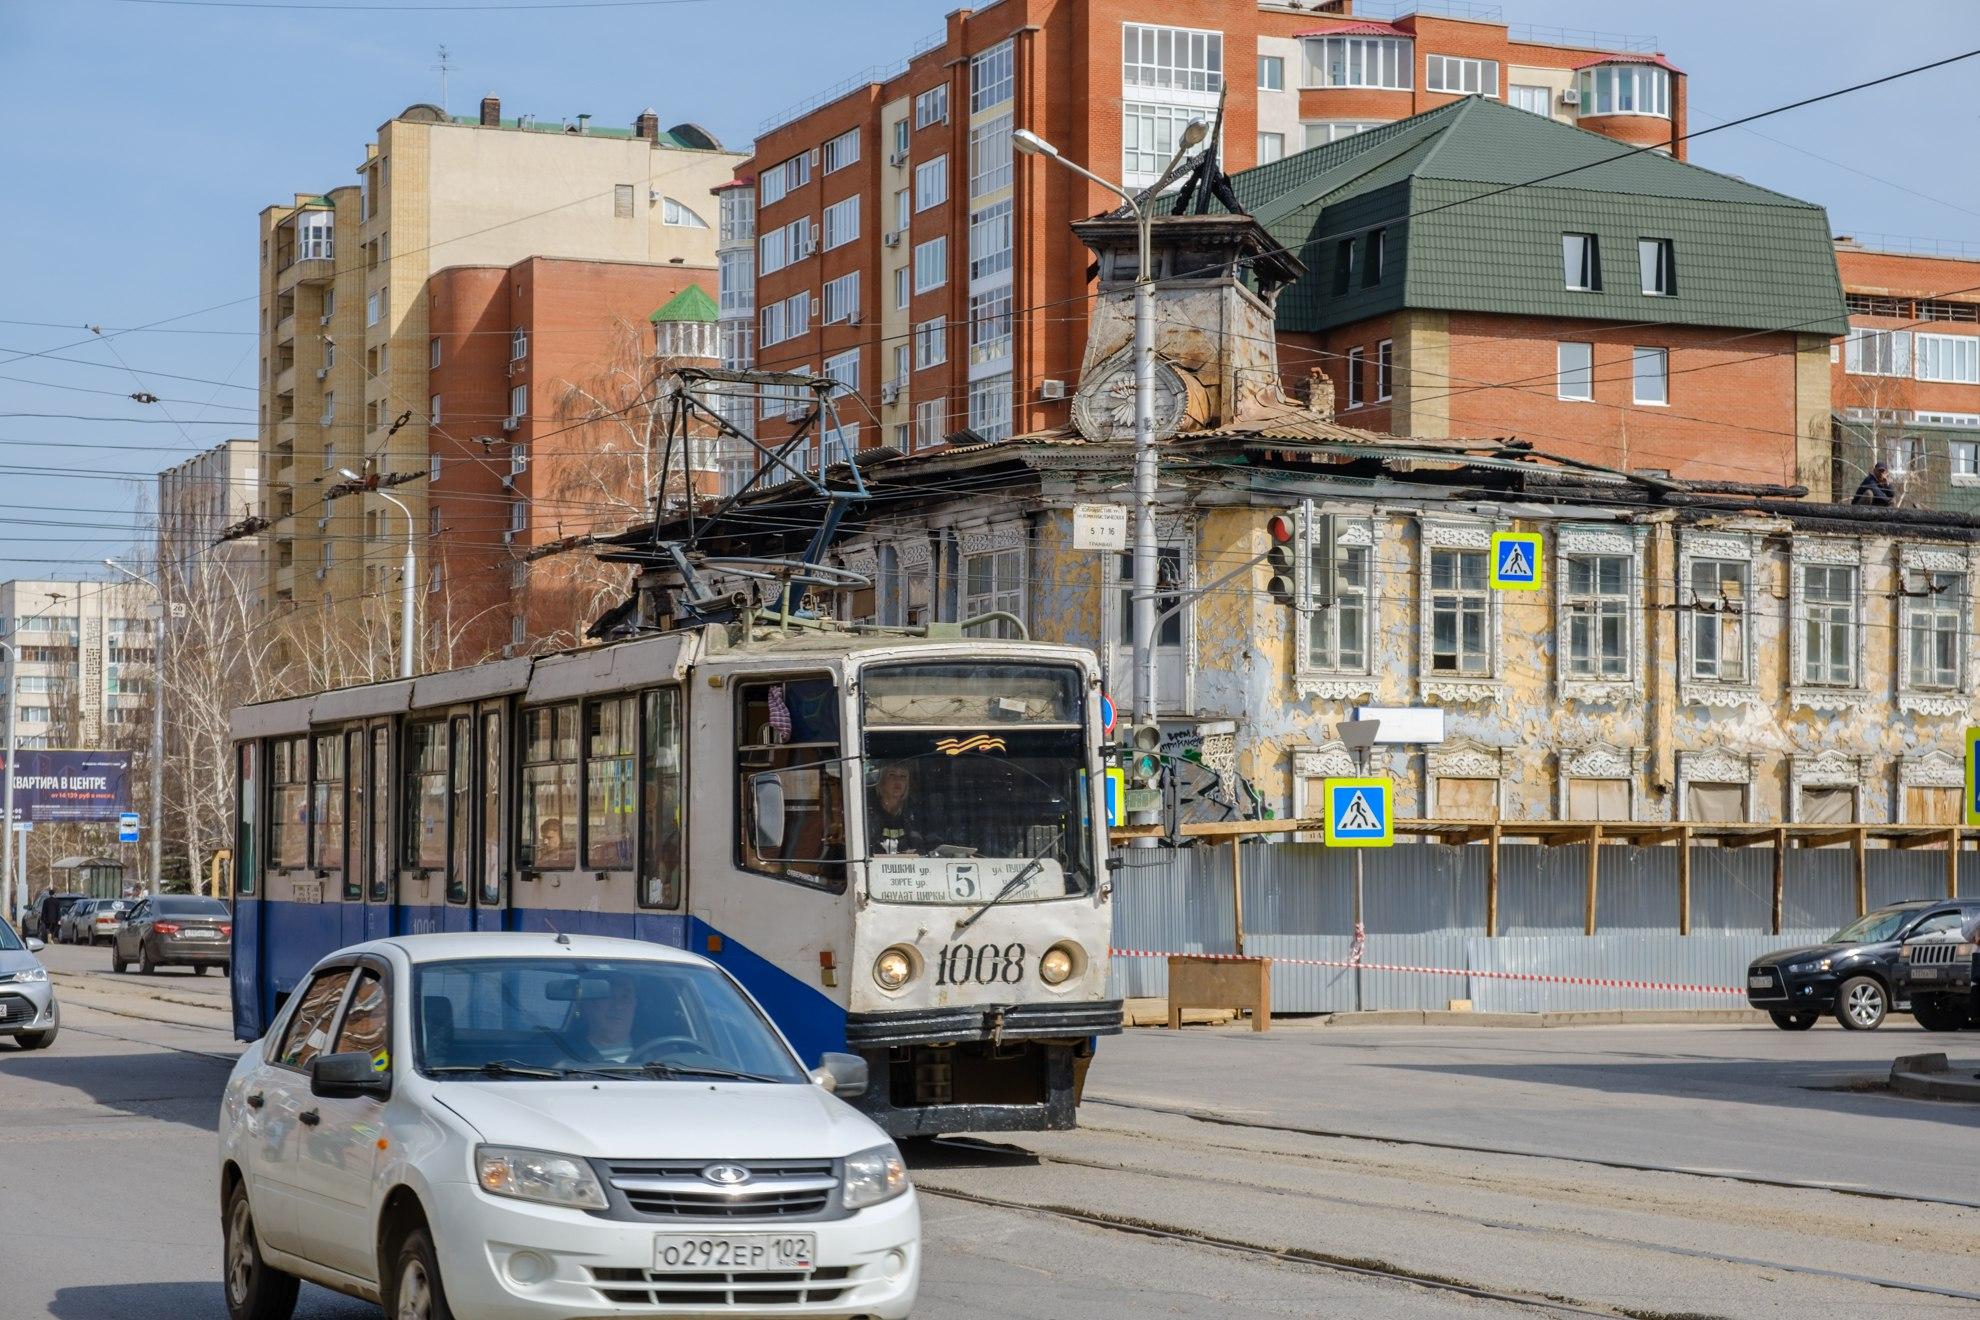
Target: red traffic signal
1280 574
1281 528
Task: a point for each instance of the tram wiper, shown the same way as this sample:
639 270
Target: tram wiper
497 1068
1012 885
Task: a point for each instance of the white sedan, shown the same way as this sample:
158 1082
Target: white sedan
547 1126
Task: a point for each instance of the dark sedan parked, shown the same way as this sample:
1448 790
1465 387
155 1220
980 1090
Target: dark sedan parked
174 930
1853 973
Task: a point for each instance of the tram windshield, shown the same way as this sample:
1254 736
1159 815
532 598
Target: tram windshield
975 780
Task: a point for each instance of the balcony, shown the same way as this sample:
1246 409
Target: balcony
285 329
285 380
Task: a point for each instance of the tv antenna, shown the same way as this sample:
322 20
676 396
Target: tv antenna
443 68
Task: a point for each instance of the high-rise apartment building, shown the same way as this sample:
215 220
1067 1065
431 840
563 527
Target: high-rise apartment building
347 295
203 497
901 247
84 660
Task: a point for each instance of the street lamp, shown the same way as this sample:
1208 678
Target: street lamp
1144 406
157 732
406 595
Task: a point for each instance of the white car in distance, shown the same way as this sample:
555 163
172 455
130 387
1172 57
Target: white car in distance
535 1126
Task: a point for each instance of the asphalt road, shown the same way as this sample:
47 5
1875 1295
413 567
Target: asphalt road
1207 1179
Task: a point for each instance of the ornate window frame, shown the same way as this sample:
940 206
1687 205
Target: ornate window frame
1332 683
1714 766
1693 691
1328 760
1454 534
994 538
1937 768
1172 530
1913 558
1600 761
1575 541
1827 769
1463 758
1830 551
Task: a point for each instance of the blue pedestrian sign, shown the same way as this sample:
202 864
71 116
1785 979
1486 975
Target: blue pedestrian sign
1973 776
127 827
1360 812
1516 561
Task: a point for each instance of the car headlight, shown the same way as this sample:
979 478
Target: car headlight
873 1176
538 1175
1803 969
1056 965
894 968
33 974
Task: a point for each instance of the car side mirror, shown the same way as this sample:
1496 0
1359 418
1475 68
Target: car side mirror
842 1075
345 1076
34 945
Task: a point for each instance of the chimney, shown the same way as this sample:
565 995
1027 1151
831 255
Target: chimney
491 112
647 125
1320 393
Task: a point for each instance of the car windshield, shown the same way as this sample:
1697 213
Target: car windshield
9 942
1880 925
521 1018
189 907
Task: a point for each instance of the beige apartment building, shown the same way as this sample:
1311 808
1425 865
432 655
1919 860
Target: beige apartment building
346 351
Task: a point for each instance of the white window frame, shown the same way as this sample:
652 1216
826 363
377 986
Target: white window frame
1591 681
990 323
991 240
1271 147
931 264
1581 262
840 151
1808 553
1460 75
931 183
1656 266
903 287
1640 358
433 410
1521 95
1963 462
736 280
1320 132
680 215
1004 546
1271 73
932 106
1357 362
1952 359
784 178
990 406
1150 131
1928 418
844 368
1606 87
992 77
1383 63
1696 615
1828 769
1318 667
931 342
841 222
841 299
1566 376
1439 535
519 401
1869 352
1172 59
518 343
1385 369
929 419
1602 762
990 158
1919 566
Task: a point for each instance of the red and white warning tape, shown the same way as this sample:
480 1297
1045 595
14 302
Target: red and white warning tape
1540 977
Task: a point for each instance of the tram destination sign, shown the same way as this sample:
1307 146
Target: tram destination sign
900 879
69 785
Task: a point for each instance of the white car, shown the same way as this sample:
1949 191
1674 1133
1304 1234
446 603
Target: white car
494 1126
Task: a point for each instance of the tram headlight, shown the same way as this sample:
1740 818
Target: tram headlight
894 968
1058 964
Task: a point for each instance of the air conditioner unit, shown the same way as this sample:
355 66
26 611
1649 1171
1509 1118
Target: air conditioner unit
508 481
893 238
890 392
512 369
508 538
898 159
1051 389
813 245
1572 96
852 317
322 372
510 423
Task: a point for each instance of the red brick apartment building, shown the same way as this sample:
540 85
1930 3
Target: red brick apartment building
536 432
887 235
1913 351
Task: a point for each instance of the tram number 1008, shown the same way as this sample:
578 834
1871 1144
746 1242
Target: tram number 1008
980 964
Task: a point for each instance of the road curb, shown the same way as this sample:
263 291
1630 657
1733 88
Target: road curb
1609 1017
1932 1077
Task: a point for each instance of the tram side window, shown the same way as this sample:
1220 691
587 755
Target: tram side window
354 819
664 829
790 799
491 807
326 813
611 733
460 812
426 796
247 869
381 814
549 824
288 802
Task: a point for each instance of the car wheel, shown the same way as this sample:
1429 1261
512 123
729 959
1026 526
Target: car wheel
146 963
117 963
1937 1014
199 969
1862 1003
1793 1021
255 1291
416 1292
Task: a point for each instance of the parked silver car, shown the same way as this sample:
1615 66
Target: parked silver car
74 921
28 1011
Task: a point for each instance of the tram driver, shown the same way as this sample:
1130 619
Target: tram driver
895 825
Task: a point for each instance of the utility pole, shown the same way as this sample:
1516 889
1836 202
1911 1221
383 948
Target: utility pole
14 898
376 484
1359 737
157 730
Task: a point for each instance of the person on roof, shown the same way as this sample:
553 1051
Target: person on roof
1877 488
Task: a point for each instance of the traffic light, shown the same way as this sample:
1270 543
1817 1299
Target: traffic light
1281 575
1144 767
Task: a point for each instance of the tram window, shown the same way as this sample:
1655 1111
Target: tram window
790 812
326 812
661 801
426 795
288 802
381 814
354 819
460 811
247 870
491 807
610 735
549 822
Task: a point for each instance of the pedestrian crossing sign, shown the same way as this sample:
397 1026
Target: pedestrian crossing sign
1360 812
1973 777
1516 561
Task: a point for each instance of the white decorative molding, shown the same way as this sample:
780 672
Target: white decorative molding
1442 535
1600 761
1463 758
1825 770
1445 534
1595 541
1833 551
1693 690
1003 536
1574 541
1934 769
1827 698
1601 692
1333 689
1936 702
1706 545
1931 559
1356 532
1938 705
913 552
1715 767
862 561
1461 691
1725 696
1826 550
1330 760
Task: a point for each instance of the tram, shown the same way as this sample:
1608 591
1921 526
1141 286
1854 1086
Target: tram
895 843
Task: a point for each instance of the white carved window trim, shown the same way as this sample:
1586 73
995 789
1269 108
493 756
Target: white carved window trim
1825 770
1463 758
993 540
1334 683
1448 534
1713 767
1330 760
1936 768
1828 551
1600 761
1171 532
1713 692
1572 541
1955 701
863 559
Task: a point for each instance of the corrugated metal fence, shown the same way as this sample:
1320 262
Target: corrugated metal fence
1425 907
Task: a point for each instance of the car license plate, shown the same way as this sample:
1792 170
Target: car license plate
1760 982
732 1253
1924 973
202 934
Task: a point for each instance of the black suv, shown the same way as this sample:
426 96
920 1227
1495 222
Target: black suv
1854 972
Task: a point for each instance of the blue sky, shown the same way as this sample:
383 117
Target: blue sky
142 140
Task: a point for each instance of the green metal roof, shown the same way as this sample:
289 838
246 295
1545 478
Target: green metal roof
1474 197
690 304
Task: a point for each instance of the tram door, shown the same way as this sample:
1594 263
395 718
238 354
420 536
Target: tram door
376 868
250 1006
489 859
475 784
350 824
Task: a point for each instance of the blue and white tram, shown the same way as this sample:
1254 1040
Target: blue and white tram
894 843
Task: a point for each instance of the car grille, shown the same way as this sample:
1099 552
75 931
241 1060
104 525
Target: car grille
674 1189
13 1008
1926 955
1772 987
630 1287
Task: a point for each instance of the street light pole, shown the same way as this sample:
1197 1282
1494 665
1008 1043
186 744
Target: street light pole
405 595
11 907
157 733
1145 554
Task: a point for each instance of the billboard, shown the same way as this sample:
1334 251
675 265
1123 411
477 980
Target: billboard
68 785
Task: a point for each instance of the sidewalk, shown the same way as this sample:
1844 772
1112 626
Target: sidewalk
1155 1013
